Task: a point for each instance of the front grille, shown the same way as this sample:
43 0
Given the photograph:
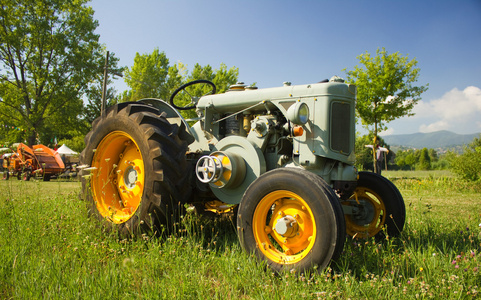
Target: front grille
340 127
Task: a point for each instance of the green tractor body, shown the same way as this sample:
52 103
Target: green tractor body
282 158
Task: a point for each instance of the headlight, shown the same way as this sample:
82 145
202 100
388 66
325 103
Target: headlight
298 113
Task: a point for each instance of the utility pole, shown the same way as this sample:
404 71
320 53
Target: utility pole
104 86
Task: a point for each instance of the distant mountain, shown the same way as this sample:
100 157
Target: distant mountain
438 139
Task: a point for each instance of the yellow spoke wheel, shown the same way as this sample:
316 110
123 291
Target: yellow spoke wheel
376 208
370 215
291 219
284 227
136 169
118 177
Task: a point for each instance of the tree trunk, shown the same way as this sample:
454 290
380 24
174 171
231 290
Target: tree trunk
374 149
31 139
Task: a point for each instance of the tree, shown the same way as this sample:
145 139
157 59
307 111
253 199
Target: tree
468 164
385 89
433 155
49 56
406 159
411 159
363 154
152 76
222 78
93 106
424 160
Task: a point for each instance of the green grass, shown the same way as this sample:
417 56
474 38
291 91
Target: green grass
50 248
418 174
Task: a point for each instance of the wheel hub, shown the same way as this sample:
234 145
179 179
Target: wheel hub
130 177
286 226
364 213
367 215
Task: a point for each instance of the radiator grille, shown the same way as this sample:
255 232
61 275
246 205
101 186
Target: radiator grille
340 127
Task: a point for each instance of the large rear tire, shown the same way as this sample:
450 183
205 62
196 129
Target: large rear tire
378 208
137 168
292 220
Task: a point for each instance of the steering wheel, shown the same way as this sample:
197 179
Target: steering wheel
193 99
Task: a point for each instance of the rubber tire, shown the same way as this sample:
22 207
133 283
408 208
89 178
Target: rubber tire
46 177
390 197
325 206
6 175
163 154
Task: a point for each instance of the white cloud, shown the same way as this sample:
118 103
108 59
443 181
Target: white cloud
458 111
389 131
436 126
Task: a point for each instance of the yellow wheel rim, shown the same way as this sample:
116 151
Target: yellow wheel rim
117 177
284 227
370 219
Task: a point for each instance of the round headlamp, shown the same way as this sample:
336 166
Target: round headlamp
298 113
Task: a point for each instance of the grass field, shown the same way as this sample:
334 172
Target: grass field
49 248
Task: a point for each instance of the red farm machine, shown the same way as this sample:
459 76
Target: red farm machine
35 161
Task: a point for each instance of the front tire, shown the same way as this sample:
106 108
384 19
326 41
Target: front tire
290 219
377 206
137 168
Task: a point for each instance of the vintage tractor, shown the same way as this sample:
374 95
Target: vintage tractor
281 158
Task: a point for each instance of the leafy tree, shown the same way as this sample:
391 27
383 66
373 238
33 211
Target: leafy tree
93 107
94 93
468 164
385 89
433 155
411 160
49 55
424 160
9 133
406 159
363 154
400 159
152 76
76 143
222 78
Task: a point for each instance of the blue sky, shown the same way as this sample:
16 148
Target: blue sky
307 41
